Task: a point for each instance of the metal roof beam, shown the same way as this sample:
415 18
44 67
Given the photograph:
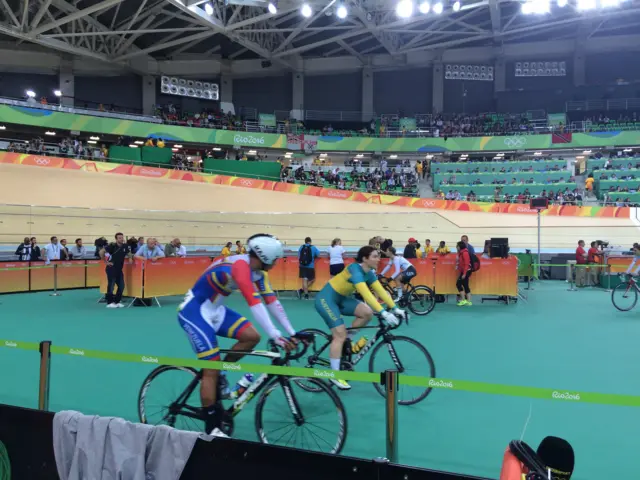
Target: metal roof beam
304 24
496 21
74 16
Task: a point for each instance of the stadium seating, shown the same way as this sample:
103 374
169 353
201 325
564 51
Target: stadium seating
620 182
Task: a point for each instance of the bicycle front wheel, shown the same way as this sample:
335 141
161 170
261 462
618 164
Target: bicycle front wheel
422 300
409 357
624 297
158 396
320 340
311 420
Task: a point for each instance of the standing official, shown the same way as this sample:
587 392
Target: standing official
113 255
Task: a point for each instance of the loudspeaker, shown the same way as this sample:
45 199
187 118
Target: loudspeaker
499 248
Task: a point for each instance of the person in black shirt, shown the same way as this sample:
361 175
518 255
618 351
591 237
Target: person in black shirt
113 255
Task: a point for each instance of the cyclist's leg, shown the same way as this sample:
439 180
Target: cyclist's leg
326 304
405 279
203 339
631 265
239 328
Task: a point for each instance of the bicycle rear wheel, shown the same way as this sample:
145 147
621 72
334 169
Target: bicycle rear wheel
422 300
158 396
316 419
416 360
624 297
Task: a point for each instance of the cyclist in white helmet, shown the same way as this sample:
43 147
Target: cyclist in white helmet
403 271
204 317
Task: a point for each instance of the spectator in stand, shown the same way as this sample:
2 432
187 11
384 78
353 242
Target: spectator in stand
307 254
428 249
581 259
171 248
443 249
64 251
35 250
226 250
78 251
52 250
182 250
24 250
240 250
150 251
410 249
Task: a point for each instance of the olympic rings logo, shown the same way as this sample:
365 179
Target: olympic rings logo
42 161
428 203
515 142
246 182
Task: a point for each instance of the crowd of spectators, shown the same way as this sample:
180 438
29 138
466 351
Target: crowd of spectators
207 118
65 148
558 197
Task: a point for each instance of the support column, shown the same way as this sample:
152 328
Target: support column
579 67
367 94
148 94
437 104
499 76
297 103
66 83
226 94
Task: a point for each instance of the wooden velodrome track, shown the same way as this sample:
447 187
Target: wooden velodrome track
205 214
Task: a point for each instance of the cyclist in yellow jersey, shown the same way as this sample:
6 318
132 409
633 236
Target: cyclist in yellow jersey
336 299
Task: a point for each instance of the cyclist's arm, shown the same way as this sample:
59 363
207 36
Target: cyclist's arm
273 304
385 269
396 266
382 294
241 274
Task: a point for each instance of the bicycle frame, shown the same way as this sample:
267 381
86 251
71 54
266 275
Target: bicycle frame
180 407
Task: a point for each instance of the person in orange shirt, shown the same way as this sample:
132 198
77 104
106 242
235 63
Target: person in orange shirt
588 184
581 259
593 259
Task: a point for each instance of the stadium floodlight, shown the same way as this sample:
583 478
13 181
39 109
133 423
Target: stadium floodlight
609 3
424 7
341 12
208 8
456 6
30 93
438 8
404 9
562 3
539 7
586 4
306 10
57 93
272 8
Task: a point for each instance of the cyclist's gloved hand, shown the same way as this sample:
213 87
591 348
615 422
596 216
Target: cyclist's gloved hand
390 319
399 313
287 343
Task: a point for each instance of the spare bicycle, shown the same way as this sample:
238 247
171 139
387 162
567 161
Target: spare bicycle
413 352
297 417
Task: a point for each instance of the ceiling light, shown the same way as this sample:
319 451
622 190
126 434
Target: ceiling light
208 8
404 9
586 4
50 133
94 138
323 155
272 8
438 8
174 150
177 146
562 3
215 149
456 6
360 155
306 10
424 7
252 152
2 127
341 12
609 3
133 146
30 93
537 153
393 156
587 152
57 93
93 142
139 142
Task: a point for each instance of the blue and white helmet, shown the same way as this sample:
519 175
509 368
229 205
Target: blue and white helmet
266 247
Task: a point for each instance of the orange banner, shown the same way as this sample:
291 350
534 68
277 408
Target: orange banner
95 269
172 276
14 280
620 264
430 203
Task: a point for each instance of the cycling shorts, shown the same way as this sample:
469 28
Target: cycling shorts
408 274
332 306
204 322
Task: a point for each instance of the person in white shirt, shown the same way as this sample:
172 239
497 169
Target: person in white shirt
403 271
182 251
336 257
52 251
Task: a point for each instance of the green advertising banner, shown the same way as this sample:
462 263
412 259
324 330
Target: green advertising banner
114 126
89 124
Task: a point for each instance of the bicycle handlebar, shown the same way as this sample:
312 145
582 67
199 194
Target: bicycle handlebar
305 340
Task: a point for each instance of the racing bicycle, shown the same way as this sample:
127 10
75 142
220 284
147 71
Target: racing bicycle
420 299
414 356
625 295
292 415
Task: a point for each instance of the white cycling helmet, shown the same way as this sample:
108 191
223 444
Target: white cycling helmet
266 247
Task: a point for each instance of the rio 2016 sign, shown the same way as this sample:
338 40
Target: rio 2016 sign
242 139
